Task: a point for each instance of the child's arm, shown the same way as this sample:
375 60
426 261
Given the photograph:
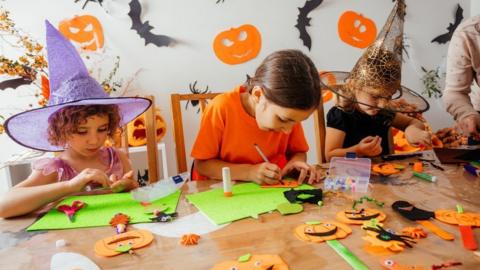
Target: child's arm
260 173
39 189
368 146
414 129
307 172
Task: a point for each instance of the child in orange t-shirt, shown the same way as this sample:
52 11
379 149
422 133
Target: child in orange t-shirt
266 110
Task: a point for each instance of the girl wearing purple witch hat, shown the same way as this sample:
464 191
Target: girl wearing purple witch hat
78 119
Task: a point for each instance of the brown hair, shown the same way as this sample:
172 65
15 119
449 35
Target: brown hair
289 79
65 121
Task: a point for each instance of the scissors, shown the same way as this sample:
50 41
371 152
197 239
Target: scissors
71 210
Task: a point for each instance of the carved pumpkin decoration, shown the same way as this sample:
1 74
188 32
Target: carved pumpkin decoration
354 216
137 133
356 30
322 231
122 243
327 95
85 30
455 218
386 169
238 45
255 262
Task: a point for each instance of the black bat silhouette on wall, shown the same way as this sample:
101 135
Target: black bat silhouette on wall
14 83
144 28
442 39
303 21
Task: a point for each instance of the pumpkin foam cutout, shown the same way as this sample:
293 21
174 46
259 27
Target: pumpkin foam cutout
137 133
237 45
327 95
455 218
356 30
386 169
358 217
121 243
256 262
85 30
323 231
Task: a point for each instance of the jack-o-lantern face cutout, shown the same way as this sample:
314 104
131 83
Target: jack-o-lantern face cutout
85 30
238 45
356 30
327 95
322 231
122 243
455 218
137 133
255 262
359 216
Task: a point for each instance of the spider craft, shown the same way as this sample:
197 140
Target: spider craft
380 237
194 90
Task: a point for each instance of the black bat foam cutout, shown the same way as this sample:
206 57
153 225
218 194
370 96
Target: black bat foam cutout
303 21
444 38
14 83
144 28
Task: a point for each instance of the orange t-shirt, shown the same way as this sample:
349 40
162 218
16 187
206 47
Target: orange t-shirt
227 132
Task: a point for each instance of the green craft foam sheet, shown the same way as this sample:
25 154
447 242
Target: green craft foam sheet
248 200
99 209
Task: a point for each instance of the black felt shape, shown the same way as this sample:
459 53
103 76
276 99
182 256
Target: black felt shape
144 28
409 211
386 236
332 232
292 195
303 21
444 38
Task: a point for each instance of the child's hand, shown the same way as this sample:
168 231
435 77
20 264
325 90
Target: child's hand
307 172
416 136
86 177
370 146
266 172
127 182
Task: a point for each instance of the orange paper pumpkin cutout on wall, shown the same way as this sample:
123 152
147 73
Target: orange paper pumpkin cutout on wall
238 45
266 261
356 30
137 133
327 95
85 30
357 217
323 231
123 243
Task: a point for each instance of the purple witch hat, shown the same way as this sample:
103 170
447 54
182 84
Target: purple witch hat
70 84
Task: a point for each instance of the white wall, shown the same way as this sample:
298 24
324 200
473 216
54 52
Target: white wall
195 23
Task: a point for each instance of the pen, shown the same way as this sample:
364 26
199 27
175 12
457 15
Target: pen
260 152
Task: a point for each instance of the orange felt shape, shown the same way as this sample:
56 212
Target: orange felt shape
414 232
85 29
283 184
392 265
358 217
190 239
266 261
392 245
455 218
137 133
136 239
356 30
385 169
238 45
324 231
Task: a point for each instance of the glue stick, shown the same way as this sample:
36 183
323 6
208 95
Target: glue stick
425 176
227 182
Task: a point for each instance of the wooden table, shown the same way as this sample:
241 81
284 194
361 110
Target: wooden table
272 233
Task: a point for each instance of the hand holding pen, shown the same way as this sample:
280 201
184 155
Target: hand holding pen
265 172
